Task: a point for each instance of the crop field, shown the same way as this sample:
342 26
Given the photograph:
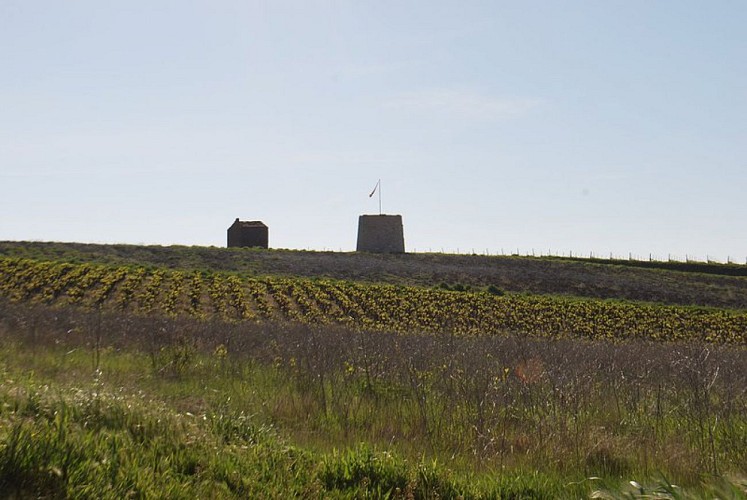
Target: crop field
368 306
139 380
702 284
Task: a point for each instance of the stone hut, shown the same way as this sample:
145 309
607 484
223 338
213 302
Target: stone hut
252 233
380 234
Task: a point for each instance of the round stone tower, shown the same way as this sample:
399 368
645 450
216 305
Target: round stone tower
380 234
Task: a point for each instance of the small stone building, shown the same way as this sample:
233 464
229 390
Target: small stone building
252 233
380 234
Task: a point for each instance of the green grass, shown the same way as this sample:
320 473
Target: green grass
91 443
213 419
78 436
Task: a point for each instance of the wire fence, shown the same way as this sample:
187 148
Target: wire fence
571 254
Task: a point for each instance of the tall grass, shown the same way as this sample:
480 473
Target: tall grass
501 405
85 441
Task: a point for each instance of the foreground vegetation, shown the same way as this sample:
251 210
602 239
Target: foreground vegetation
109 404
96 441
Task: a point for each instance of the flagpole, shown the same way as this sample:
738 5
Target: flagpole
379 196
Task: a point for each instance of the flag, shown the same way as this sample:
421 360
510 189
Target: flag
375 188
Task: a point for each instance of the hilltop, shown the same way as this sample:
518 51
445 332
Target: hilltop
701 284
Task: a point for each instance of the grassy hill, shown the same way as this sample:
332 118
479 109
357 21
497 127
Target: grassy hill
715 285
231 373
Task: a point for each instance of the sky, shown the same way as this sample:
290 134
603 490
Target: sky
585 127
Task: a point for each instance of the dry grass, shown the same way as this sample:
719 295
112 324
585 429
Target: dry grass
507 402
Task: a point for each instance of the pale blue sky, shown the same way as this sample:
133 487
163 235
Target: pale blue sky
566 126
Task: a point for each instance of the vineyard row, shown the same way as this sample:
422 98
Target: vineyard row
367 306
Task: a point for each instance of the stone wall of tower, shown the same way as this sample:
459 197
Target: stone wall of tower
380 234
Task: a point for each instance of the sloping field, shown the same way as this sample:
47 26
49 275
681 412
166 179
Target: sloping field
714 285
359 305
262 372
